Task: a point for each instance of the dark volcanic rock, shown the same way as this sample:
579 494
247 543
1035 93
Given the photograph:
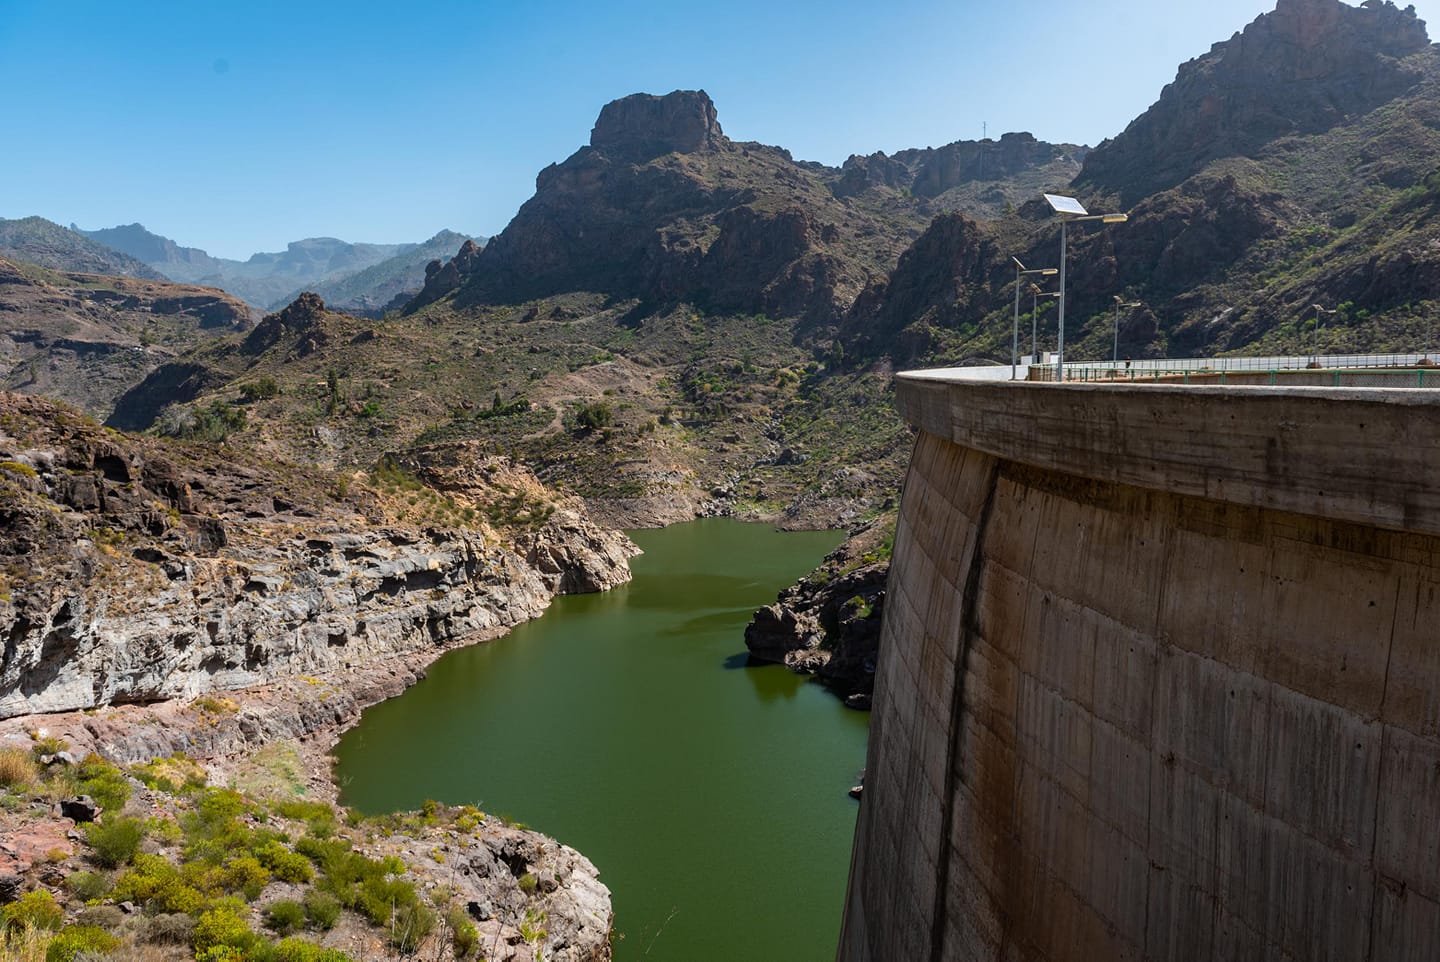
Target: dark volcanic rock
1300 69
80 808
942 280
829 623
642 126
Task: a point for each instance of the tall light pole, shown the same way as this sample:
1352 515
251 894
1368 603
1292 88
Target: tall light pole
1035 294
1069 210
1115 352
1021 271
1319 313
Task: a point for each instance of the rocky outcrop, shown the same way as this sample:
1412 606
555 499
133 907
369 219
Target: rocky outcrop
663 207
1301 69
642 126
931 171
135 572
299 315
828 624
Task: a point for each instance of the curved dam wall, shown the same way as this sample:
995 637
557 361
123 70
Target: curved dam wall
1159 679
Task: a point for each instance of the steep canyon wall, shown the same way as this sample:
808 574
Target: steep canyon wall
1160 679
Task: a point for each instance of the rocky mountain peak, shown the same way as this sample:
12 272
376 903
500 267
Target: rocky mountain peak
1301 69
642 126
299 315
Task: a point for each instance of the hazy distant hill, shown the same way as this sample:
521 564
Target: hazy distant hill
369 292
265 279
87 338
36 240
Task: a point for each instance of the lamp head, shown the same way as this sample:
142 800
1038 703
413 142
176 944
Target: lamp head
1114 218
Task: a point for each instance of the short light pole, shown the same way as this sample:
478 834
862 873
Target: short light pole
1115 352
1069 210
1021 271
1319 313
1035 294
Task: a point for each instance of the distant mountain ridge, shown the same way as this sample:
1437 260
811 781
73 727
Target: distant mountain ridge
389 284
35 240
265 279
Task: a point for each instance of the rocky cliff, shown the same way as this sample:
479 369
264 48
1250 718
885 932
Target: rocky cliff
1302 69
663 207
135 571
828 623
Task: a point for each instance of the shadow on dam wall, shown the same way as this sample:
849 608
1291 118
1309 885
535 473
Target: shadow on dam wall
1159 679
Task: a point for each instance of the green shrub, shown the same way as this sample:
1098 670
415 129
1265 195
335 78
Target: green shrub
596 414
285 917
245 874
115 840
33 910
379 898
319 817
47 745
528 883
265 387
213 830
75 939
463 932
299 950
222 925
86 886
159 886
322 908
104 782
409 924
288 866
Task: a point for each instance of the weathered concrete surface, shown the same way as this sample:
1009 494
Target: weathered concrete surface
1158 679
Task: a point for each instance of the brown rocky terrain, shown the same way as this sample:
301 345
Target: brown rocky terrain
136 571
87 338
1306 67
200 602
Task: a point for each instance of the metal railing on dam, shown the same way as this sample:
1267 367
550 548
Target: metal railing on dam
1159 678
1420 370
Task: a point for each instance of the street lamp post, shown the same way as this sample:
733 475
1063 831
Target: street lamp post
1034 297
1115 352
1021 271
1319 313
1069 210
1035 294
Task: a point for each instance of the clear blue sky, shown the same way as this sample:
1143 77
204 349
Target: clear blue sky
239 126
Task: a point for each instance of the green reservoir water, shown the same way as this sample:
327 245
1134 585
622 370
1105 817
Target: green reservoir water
711 796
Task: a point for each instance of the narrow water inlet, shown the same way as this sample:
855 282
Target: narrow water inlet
711 795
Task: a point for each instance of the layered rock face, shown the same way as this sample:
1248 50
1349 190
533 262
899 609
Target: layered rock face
132 575
642 126
1300 69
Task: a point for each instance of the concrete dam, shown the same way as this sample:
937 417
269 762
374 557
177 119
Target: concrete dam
1159 678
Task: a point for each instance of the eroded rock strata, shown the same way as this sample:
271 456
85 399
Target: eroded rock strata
136 574
135 571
